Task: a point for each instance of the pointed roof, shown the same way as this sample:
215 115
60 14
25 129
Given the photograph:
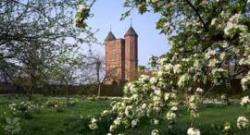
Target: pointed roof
131 32
110 37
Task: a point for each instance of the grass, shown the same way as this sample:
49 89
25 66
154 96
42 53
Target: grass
50 122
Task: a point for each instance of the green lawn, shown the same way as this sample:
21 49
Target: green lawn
51 122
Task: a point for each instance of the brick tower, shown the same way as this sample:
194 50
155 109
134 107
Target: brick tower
121 57
131 54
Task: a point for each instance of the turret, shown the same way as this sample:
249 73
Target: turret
131 54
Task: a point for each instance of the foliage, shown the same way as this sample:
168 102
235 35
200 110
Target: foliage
12 126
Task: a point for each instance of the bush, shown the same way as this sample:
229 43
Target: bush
24 109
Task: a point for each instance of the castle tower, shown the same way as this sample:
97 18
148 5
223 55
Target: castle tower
121 57
114 59
131 54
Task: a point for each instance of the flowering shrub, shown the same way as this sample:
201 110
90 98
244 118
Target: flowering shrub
24 109
146 99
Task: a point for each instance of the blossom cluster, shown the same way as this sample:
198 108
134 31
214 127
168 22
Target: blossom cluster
242 122
245 82
245 101
81 16
193 131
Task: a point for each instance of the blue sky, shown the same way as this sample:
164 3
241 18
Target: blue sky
108 12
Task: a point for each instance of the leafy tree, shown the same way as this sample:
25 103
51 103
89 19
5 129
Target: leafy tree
34 35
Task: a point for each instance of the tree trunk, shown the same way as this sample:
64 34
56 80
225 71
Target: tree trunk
99 89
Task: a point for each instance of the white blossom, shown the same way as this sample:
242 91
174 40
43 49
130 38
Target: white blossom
144 105
155 121
242 122
155 132
213 22
105 113
134 122
174 108
193 131
245 100
118 121
144 78
166 96
245 82
177 68
153 80
93 126
82 7
163 61
129 111
199 90
210 53
170 115
168 67
182 80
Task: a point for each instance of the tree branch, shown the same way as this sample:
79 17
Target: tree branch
197 14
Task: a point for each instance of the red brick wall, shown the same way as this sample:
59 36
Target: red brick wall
131 57
114 60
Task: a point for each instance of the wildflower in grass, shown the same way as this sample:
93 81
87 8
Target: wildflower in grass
93 124
105 113
242 122
193 131
155 132
227 127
